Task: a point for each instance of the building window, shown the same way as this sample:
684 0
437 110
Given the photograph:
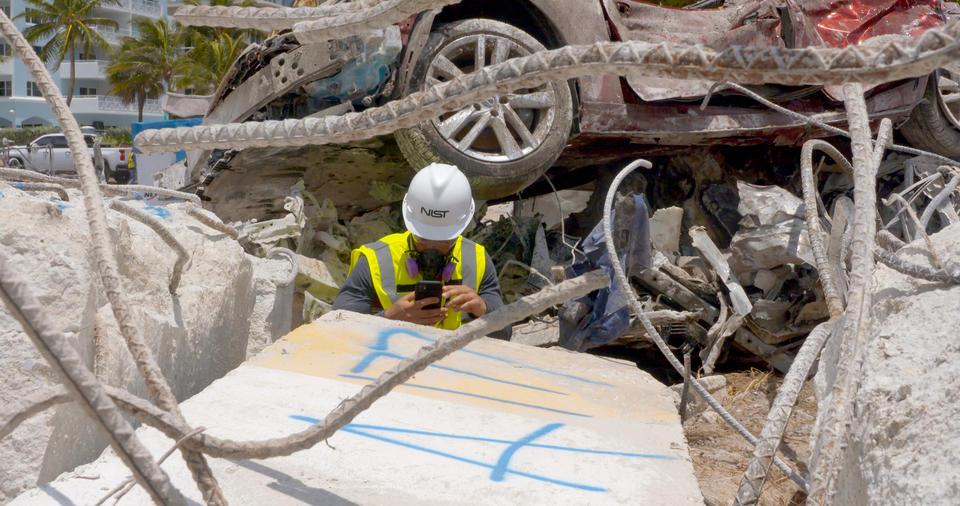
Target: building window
5 9
33 90
6 88
33 20
87 56
4 49
87 92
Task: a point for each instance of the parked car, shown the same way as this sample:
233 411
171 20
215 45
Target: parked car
507 142
50 154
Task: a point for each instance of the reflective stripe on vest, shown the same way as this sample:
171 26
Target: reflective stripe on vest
387 261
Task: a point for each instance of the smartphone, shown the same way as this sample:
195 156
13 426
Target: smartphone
427 289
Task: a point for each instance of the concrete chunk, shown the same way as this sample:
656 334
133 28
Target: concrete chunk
495 423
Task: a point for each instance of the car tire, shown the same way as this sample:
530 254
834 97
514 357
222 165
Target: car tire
934 124
15 163
495 166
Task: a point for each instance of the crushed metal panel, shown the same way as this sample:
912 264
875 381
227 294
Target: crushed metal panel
752 23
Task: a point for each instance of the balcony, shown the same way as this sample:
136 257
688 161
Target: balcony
114 35
121 5
86 69
146 7
111 104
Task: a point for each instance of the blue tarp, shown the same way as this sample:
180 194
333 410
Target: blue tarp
602 316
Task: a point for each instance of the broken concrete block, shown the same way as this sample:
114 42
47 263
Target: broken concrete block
387 192
765 280
535 333
314 308
272 313
902 441
198 334
665 227
316 278
371 226
772 231
566 428
571 201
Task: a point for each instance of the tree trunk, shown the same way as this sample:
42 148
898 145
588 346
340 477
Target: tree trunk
73 71
141 99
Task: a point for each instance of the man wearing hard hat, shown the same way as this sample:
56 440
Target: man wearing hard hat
437 208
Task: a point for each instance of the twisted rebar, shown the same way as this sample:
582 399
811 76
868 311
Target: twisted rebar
157 226
109 189
651 331
772 433
831 441
812 216
82 385
103 254
43 187
883 62
175 428
348 17
212 221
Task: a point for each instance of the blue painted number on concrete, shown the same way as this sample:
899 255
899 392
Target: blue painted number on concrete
501 468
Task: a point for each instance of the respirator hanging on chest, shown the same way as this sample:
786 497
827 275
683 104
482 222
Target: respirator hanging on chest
430 263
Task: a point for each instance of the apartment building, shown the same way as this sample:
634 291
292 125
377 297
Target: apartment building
21 103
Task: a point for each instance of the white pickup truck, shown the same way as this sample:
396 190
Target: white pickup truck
49 153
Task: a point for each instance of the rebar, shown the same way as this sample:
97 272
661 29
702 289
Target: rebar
651 331
82 385
157 226
883 62
43 187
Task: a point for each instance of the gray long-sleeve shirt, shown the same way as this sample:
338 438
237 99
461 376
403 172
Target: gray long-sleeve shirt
358 294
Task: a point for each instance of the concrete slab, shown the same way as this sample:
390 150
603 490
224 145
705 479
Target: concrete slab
495 423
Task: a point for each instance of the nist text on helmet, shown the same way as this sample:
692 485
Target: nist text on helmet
434 213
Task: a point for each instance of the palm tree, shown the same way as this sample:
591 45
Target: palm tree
143 66
132 78
66 25
207 62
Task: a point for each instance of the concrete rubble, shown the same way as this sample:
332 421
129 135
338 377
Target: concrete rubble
198 334
902 446
493 423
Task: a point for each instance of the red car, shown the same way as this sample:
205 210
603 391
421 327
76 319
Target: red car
507 142
510 141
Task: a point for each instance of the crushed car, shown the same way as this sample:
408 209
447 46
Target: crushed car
507 142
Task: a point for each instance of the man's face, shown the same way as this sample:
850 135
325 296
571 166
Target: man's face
443 247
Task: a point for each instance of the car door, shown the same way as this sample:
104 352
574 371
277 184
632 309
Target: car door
62 158
40 154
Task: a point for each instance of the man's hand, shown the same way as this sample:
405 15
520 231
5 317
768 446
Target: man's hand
409 310
463 298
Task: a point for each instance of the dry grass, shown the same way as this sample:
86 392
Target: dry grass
720 455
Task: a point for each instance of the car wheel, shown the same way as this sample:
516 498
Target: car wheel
934 124
15 163
503 143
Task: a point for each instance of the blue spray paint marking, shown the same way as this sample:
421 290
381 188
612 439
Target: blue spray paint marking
61 204
158 211
19 185
655 456
478 396
383 338
503 463
370 357
354 430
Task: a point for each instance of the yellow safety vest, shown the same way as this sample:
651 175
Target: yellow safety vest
387 260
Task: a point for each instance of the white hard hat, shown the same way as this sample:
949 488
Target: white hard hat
438 205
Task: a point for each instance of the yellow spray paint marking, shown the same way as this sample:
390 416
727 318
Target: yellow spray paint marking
489 373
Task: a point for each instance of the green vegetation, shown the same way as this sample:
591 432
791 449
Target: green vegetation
142 67
69 25
21 136
145 66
